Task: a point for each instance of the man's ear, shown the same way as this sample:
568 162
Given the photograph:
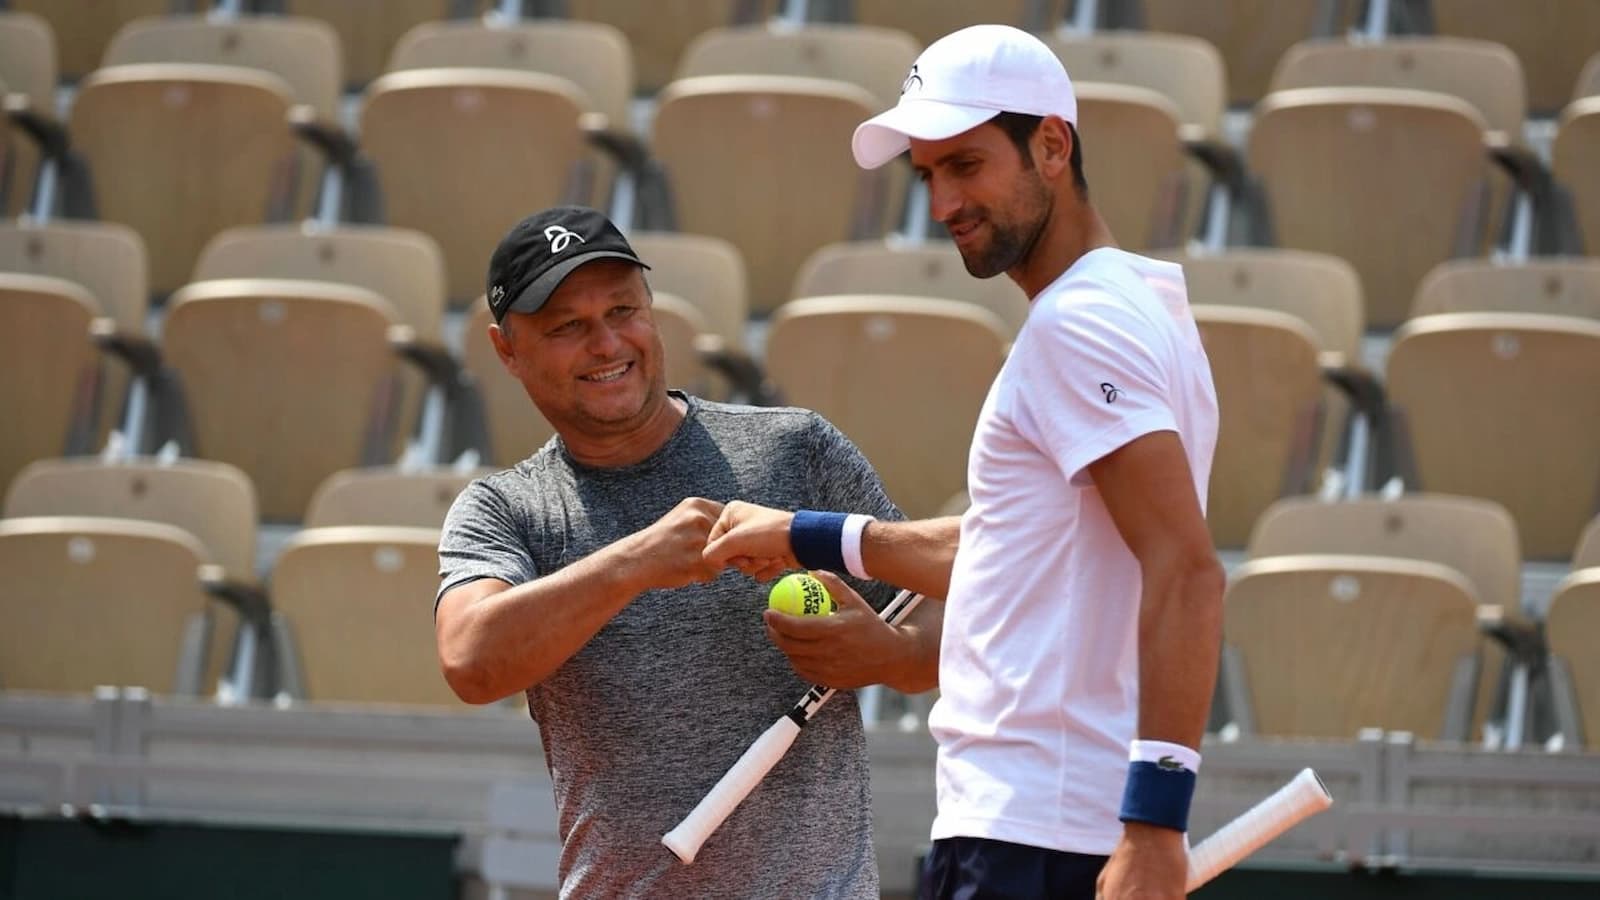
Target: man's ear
1052 147
502 345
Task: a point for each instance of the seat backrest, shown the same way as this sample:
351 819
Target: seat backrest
369 29
99 601
1587 553
592 55
384 495
357 602
917 270
1572 157
1479 394
47 366
1337 162
1484 74
1187 70
1540 284
1321 290
1589 79
1133 161
213 501
303 52
105 258
1476 537
927 22
1334 644
402 266
1572 626
28 58
930 363
679 322
1251 35
82 28
1551 37
464 154
660 31
1269 390
703 270
516 427
875 59
180 152
783 140
290 381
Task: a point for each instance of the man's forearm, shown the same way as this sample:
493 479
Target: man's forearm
1180 640
914 555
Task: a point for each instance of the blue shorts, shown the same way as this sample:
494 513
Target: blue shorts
967 868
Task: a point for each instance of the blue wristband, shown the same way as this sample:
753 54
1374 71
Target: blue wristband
815 538
1157 795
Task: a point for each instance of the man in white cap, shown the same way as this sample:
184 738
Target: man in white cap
1084 597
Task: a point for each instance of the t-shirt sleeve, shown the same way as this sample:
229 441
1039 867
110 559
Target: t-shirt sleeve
482 539
844 481
1093 382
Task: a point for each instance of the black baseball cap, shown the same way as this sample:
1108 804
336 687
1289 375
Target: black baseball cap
539 252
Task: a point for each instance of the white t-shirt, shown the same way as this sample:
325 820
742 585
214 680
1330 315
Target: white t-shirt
1038 670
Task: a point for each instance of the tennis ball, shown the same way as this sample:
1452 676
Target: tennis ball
800 595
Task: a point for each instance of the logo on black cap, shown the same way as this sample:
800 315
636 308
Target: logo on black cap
560 237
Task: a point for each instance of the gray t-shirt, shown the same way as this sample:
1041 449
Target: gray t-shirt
643 720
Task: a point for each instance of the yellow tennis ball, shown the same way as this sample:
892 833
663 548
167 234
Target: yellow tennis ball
800 595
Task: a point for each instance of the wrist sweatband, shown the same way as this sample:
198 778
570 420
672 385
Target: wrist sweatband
1161 778
850 545
817 539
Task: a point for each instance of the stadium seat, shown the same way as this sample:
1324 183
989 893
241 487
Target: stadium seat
660 31
934 357
48 369
1577 146
1589 79
83 28
369 29
1337 162
1587 553
1321 290
874 59
931 269
27 68
764 162
1552 38
290 381
1572 626
928 22
1186 70
383 495
180 152
1495 406
516 427
1547 285
1269 395
1251 35
1133 161
1328 645
463 154
354 606
705 271
92 601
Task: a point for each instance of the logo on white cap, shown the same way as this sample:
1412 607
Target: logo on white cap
912 81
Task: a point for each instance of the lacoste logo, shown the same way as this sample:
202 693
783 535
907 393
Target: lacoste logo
1168 764
1111 391
497 293
560 237
912 81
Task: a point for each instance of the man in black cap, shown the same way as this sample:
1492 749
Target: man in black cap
577 577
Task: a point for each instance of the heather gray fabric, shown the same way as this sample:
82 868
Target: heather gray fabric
649 714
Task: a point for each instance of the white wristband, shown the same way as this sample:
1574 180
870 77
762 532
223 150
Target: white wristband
1159 751
850 544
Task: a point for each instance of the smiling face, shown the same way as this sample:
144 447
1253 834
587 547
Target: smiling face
993 200
590 358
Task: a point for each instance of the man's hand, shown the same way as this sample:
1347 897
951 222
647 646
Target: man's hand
1150 863
670 552
753 539
850 649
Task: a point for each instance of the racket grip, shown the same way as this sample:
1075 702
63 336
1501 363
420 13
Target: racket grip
1302 797
737 783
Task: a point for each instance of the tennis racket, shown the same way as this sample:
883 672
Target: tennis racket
1301 798
737 783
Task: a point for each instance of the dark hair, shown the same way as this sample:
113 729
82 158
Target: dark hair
1020 128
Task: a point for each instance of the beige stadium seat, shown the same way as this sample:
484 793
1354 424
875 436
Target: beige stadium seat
1572 157
1551 37
369 29
1548 285
703 270
1496 406
1321 290
592 55
876 59
1252 35
48 369
92 601
290 381
83 28
1572 627
1185 69
464 154
516 427
1485 74
1589 79
28 68
916 270
1269 397
1329 645
784 142
660 31
1588 552
180 152
1133 161
357 603
928 22
930 364
1337 163
384 495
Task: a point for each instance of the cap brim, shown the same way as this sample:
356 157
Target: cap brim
888 134
537 293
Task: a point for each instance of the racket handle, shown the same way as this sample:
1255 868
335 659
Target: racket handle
737 783
1302 797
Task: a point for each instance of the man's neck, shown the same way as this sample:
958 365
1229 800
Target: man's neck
634 446
1074 229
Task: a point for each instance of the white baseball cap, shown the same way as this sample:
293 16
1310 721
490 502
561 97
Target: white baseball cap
961 81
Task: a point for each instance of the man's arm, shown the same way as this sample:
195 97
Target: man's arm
495 639
1148 490
854 648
